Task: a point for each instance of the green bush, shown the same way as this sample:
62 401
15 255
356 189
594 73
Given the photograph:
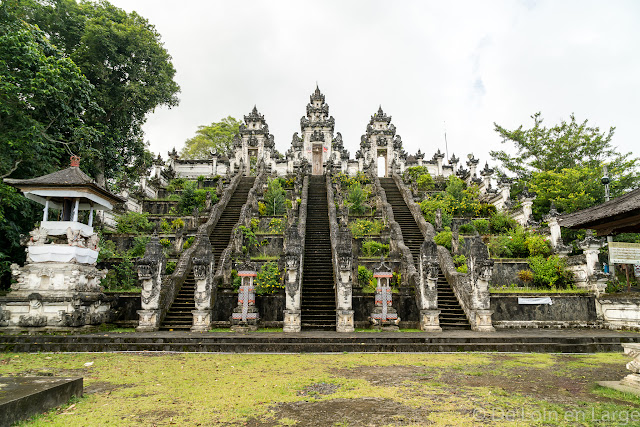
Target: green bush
431 205
107 249
165 243
444 238
467 229
501 223
139 247
134 223
274 198
121 277
356 197
187 244
425 182
176 184
165 226
538 245
170 267
262 209
500 246
460 261
277 225
550 272
268 279
372 248
482 225
366 280
412 173
365 227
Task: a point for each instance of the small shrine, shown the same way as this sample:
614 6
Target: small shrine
59 285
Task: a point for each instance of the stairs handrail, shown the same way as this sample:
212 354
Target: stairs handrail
171 285
406 257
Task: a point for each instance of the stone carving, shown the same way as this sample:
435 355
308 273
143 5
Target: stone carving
384 315
150 268
38 237
245 315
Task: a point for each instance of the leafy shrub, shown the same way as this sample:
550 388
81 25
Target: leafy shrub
187 244
365 279
431 205
365 227
121 277
372 248
165 243
165 226
250 238
538 245
268 279
526 276
486 210
107 249
482 225
134 223
177 224
550 272
444 238
176 184
170 267
425 182
501 223
460 261
288 204
412 173
500 246
254 224
262 209
139 247
467 229
236 280
277 225
192 198
356 197
274 198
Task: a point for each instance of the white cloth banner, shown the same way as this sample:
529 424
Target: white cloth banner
538 300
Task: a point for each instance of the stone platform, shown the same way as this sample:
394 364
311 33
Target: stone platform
23 397
528 341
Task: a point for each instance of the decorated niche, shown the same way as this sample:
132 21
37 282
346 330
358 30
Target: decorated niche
245 316
384 315
59 285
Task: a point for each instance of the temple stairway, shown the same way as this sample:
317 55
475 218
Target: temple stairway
179 316
318 295
452 315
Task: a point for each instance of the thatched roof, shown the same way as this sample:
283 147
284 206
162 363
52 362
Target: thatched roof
620 215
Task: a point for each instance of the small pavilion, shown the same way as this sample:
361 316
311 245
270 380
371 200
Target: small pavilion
59 285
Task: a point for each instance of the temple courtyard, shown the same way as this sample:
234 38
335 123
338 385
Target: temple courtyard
354 389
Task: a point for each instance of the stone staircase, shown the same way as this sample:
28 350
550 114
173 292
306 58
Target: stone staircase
526 340
452 315
179 316
318 295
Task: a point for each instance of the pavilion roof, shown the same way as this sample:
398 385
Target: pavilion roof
620 215
70 178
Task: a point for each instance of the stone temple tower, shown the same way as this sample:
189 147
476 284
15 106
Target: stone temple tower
317 133
254 142
380 145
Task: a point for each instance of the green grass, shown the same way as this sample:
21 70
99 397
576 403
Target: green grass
234 389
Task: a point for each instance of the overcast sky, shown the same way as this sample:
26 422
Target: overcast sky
457 66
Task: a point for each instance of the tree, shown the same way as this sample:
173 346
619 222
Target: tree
216 137
122 56
563 163
44 99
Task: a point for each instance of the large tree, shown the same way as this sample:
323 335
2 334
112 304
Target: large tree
217 137
123 57
44 99
564 163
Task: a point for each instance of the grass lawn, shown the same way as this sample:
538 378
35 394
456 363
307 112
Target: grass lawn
335 389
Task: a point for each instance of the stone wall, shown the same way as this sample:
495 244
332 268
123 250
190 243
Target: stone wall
620 311
566 311
505 271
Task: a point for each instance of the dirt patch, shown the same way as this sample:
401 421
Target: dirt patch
556 383
351 412
153 418
319 389
104 387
